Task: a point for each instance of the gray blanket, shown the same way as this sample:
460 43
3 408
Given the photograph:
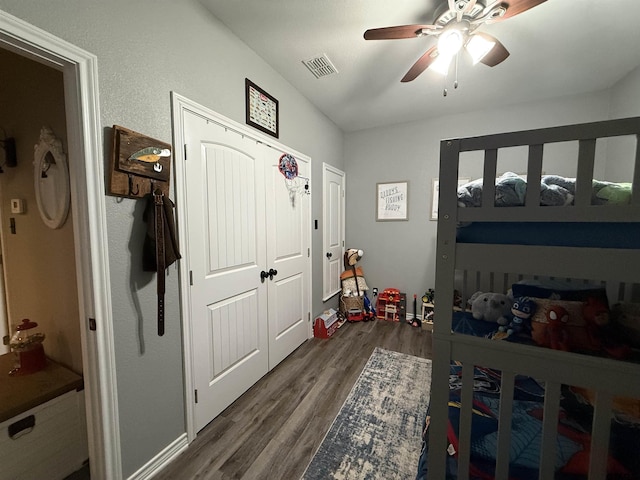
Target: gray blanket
555 190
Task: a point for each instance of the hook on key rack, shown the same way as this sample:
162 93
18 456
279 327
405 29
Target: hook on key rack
131 193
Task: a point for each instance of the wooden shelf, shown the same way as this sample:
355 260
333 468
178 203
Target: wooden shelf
20 393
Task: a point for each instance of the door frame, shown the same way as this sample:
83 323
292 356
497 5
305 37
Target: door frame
180 104
80 77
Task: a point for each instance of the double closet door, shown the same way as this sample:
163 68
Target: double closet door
248 255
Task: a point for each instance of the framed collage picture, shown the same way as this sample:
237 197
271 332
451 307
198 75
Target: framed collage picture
261 109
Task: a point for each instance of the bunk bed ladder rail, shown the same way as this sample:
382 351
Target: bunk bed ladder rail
445 273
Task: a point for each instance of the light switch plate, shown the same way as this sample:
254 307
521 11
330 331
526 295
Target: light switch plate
17 205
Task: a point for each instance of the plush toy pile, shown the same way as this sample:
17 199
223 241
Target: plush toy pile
561 317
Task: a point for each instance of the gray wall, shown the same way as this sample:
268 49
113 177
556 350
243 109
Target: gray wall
145 50
148 48
402 254
625 102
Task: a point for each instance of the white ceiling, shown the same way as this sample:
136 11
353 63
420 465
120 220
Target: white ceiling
558 48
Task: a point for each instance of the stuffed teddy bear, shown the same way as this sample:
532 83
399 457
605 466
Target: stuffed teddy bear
523 309
491 307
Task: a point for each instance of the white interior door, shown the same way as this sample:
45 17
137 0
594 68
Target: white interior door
288 254
225 215
241 220
333 239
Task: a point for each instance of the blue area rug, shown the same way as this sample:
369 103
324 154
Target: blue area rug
377 433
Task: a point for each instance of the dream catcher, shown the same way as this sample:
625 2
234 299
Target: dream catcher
296 184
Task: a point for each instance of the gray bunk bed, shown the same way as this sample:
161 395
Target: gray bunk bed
569 437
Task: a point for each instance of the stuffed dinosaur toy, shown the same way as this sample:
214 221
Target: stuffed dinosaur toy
491 307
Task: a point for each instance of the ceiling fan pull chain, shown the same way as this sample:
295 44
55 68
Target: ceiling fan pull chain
444 85
455 82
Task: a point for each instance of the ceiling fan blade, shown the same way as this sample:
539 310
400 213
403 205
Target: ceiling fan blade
421 65
515 7
399 32
497 54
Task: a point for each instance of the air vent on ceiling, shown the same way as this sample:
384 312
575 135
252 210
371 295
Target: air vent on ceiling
320 66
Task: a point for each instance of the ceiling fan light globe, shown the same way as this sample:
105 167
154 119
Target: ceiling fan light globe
450 42
478 47
441 64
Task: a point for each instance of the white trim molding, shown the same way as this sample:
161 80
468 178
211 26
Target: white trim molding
162 459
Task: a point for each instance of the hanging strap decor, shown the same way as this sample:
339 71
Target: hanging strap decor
160 248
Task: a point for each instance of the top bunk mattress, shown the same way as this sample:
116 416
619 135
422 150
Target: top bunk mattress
624 235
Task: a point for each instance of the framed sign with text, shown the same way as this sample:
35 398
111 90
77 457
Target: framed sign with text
391 201
261 109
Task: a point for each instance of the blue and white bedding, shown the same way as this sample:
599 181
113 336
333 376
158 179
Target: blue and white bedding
574 425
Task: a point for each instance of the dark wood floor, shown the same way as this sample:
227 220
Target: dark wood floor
273 430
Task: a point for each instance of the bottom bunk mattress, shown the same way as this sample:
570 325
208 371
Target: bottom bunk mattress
573 434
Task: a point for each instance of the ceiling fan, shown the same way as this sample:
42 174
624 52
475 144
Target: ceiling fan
455 28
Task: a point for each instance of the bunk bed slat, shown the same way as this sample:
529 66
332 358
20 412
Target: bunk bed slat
584 131
571 213
584 263
584 176
600 436
489 176
549 430
466 410
595 373
504 425
534 172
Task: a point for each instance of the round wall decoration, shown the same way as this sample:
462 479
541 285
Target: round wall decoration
51 179
288 166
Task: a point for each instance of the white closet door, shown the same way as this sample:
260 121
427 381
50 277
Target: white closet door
227 246
288 250
333 208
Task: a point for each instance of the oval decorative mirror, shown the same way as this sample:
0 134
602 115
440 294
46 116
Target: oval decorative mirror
51 179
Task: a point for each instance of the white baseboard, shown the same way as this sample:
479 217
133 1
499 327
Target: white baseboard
157 463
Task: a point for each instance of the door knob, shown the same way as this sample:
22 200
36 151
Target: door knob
329 254
272 273
263 275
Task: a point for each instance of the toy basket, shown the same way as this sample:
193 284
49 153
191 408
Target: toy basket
347 303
